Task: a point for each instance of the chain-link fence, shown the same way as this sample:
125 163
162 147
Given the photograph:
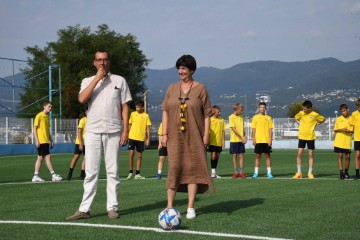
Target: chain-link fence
20 130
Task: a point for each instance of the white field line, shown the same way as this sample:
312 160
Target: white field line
218 179
213 234
280 153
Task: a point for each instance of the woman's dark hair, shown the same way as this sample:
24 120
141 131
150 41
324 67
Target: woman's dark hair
186 61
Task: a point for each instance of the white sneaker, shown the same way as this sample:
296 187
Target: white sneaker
130 176
190 213
138 176
217 176
56 178
37 179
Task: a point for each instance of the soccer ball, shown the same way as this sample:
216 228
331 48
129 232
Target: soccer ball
169 219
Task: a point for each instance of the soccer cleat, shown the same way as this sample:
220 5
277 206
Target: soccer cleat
242 175
342 176
37 179
69 176
297 175
213 175
130 176
255 175
158 176
310 176
138 176
269 175
56 178
190 213
217 176
113 214
79 215
235 175
346 176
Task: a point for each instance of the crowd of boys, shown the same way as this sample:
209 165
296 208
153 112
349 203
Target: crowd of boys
346 127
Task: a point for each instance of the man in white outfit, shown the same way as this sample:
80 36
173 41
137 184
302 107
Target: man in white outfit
108 96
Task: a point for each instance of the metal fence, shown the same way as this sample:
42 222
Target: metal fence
20 131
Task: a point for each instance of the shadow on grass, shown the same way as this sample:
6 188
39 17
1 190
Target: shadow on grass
221 207
229 207
150 207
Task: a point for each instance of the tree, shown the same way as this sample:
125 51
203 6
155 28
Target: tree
74 52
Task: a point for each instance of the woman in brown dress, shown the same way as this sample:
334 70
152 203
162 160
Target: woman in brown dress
185 119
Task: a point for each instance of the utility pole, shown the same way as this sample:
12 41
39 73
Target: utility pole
145 99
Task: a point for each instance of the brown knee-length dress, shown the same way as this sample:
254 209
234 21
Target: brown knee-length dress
186 151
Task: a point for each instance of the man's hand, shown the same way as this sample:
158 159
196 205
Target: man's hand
124 138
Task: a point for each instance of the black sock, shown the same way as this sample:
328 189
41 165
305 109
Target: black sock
131 171
214 163
137 172
82 174
341 172
357 172
71 170
346 171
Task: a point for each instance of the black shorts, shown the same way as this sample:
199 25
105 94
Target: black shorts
163 151
310 144
357 145
216 149
139 145
43 150
342 150
262 148
237 147
78 151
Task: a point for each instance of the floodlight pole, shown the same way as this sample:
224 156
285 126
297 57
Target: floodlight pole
50 95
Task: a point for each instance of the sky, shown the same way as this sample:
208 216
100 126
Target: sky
218 33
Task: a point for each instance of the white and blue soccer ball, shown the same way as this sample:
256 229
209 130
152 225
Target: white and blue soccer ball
169 219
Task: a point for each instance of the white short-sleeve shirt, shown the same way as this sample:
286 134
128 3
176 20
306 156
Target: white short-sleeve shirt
104 110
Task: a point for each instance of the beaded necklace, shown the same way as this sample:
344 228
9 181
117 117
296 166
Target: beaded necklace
183 107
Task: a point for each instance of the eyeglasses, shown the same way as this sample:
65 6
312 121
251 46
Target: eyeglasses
105 60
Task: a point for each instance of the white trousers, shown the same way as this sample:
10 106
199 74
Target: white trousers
95 144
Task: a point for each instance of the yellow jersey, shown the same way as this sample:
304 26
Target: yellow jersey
343 139
82 125
217 128
139 123
236 122
263 125
355 122
160 129
42 123
308 123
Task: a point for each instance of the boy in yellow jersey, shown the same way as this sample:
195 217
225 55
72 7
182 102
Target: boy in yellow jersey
139 136
162 153
262 126
308 120
217 138
355 122
342 143
79 148
43 141
237 139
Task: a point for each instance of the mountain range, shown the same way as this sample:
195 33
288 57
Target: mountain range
326 82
